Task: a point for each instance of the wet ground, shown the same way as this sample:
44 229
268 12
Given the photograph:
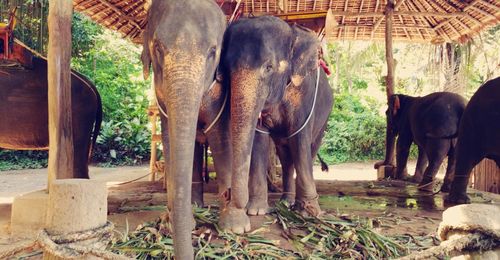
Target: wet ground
392 207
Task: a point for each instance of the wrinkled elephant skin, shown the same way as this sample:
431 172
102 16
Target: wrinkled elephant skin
478 137
261 56
182 42
24 112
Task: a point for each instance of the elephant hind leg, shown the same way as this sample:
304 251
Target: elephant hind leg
436 150
197 184
422 162
450 168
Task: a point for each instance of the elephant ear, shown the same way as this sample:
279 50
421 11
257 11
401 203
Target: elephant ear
146 61
396 104
304 55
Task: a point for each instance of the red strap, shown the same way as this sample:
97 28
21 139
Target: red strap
323 65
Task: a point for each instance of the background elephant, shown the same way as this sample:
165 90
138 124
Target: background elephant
478 137
261 56
24 112
432 123
182 42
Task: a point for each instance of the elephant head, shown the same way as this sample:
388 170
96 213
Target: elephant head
261 56
182 42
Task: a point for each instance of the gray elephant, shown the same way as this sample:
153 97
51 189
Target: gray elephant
478 137
432 123
273 72
182 41
24 112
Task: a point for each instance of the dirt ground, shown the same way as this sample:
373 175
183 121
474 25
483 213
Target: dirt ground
347 190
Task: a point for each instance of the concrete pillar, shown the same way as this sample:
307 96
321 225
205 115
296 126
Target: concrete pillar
76 205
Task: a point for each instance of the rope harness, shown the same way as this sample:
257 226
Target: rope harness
217 117
310 113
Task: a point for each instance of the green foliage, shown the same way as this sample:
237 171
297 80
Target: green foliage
17 160
355 131
113 65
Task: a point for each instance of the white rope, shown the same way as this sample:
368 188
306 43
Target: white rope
161 109
312 108
235 11
220 111
310 113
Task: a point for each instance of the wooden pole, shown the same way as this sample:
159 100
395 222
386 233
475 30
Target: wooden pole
389 80
389 11
59 80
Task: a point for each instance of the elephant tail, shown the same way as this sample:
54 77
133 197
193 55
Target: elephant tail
324 166
97 124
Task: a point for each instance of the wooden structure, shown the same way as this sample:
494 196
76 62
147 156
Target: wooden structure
6 36
425 21
486 177
428 21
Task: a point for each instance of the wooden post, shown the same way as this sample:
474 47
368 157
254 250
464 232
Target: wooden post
389 81
59 80
389 11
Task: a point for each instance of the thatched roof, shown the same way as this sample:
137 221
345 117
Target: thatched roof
431 21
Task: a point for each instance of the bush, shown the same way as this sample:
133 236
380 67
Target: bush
355 131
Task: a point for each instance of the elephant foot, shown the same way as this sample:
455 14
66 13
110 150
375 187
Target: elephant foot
288 198
446 187
257 207
426 186
235 220
457 198
308 207
416 179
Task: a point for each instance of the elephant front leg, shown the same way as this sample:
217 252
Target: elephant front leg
402 152
257 185
287 174
307 196
421 165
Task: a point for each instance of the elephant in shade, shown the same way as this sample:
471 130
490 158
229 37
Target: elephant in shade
182 41
272 69
432 123
24 112
478 137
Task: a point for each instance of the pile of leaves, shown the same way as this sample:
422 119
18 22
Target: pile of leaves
152 240
327 237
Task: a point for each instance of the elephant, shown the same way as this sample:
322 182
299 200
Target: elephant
182 43
432 123
24 112
478 137
272 70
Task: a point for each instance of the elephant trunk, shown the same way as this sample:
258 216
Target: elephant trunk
246 104
183 98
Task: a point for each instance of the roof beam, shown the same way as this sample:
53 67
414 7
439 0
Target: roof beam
123 15
405 13
379 21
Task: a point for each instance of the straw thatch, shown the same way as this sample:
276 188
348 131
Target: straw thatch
433 21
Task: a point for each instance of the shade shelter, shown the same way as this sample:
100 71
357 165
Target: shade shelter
422 21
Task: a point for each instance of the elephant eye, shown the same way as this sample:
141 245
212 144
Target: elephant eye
211 52
269 67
